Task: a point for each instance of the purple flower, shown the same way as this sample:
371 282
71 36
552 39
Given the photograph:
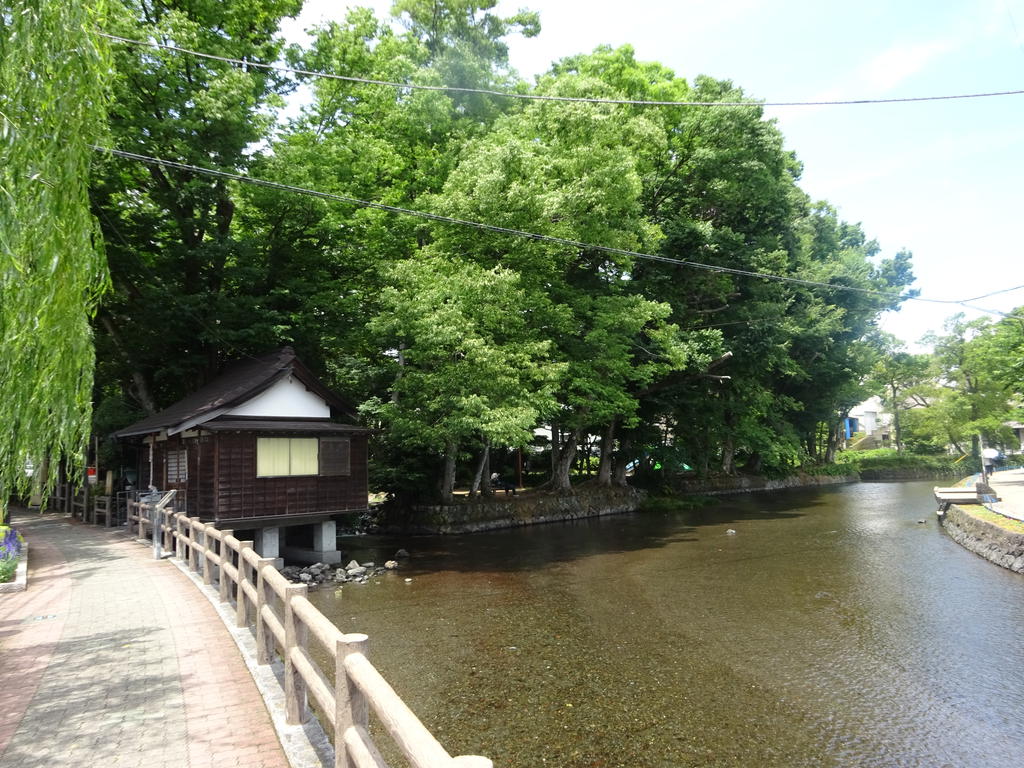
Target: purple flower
10 545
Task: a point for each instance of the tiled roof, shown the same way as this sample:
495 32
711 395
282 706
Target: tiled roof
240 383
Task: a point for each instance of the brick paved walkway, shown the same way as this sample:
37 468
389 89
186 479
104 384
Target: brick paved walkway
113 659
1009 486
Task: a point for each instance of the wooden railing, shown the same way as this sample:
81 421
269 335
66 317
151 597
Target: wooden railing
288 625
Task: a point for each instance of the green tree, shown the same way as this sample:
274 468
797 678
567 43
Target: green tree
574 171
316 268
466 364
896 373
967 402
171 238
52 268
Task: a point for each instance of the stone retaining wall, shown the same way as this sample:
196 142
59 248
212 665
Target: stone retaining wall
983 538
883 475
744 484
512 511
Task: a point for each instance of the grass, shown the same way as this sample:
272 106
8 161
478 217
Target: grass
889 458
1006 523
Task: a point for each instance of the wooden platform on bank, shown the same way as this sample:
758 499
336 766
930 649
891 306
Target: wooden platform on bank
980 494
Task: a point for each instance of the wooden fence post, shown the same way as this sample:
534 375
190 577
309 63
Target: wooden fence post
350 708
225 557
241 604
166 531
207 569
264 639
193 561
179 547
295 635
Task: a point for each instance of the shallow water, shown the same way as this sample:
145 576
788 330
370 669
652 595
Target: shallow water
832 629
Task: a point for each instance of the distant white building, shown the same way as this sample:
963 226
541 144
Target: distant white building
870 418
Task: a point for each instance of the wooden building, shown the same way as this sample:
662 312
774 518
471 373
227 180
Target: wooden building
263 445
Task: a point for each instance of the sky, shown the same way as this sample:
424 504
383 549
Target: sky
940 179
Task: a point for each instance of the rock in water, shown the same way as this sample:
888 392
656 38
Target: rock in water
391 565
352 564
730 532
357 571
400 554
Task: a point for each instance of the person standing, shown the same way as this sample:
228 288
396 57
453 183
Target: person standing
988 460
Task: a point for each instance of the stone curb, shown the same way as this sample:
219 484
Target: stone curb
305 746
983 538
20 583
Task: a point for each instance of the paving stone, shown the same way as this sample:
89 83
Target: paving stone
129 667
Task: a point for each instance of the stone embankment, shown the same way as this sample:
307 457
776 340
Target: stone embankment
984 538
717 486
887 475
511 511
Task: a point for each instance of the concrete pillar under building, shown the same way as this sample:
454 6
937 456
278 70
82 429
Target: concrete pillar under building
268 542
324 540
325 536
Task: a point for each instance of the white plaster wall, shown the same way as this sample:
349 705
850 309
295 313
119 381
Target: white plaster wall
287 398
872 415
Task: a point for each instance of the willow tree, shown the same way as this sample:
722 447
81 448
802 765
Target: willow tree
52 269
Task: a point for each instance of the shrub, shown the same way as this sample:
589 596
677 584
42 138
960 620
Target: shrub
889 458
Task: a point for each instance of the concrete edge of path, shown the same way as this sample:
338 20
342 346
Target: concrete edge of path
305 746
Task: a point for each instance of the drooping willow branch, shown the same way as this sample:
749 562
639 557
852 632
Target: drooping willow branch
52 267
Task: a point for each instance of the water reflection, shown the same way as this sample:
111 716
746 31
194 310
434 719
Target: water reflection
832 629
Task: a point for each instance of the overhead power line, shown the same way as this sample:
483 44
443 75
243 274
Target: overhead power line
544 97
530 235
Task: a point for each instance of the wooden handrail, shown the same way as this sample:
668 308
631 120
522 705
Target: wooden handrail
362 753
321 627
412 737
285 619
316 681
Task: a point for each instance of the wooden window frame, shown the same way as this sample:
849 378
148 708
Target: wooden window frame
289 473
180 465
343 467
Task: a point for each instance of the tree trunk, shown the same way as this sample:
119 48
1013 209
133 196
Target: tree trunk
896 436
560 480
729 444
398 375
555 451
142 393
448 479
833 442
754 463
622 460
604 469
482 469
728 456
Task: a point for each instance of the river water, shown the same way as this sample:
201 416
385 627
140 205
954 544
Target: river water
832 629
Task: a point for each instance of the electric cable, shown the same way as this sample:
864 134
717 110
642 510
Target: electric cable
523 233
544 97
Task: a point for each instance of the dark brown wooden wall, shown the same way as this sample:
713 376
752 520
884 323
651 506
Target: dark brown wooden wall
240 494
